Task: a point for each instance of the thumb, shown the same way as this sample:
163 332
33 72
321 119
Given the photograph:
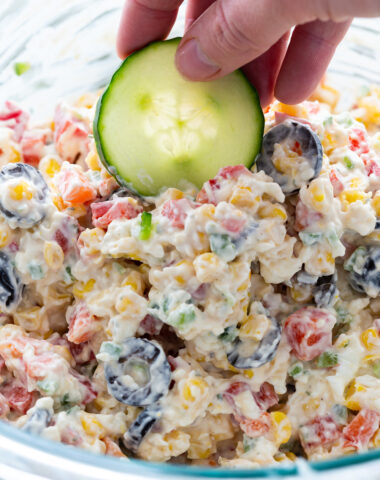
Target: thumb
231 33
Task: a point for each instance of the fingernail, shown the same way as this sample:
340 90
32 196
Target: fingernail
193 63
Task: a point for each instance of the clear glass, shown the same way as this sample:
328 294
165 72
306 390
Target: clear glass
70 47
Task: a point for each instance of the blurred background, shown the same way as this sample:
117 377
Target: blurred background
67 47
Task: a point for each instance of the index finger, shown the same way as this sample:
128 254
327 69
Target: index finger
144 21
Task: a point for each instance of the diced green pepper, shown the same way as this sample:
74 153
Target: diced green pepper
340 414
182 316
223 246
248 443
348 162
311 238
229 334
146 226
21 67
296 370
327 360
49 387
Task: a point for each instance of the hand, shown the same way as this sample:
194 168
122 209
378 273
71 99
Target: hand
223 35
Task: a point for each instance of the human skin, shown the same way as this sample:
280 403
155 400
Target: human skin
223 35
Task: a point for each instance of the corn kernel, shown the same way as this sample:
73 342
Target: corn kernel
135 281
311 406
272 211
92 426
123 304
16 155
282 427
81 288
292 110
193 388
370 338
376 204
248 373
50 166
242 196
5 235
53 255
351 196
351 390
21 191
92 161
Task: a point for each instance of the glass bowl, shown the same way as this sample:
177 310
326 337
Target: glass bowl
70 48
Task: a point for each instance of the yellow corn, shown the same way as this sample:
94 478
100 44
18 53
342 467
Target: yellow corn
318 195
351 196
174 194
311 406
376 204
201 447
15 155
21 191
50 166
242 196
193 388
254 326
58 202
370 338
81 288
293 110
5 235
355 183
91 240
300 294
77 211
92 426
93 162
282 427
372 358
351 390
273 211
329 257
123 304
135 281
248 373
53 255
208 211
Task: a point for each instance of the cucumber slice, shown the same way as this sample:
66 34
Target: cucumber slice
153 129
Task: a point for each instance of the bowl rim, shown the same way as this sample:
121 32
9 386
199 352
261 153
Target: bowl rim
144 468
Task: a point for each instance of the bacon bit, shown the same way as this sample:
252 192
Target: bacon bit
91 392
172 362
211 186
13 247
177 211
236 388
200 293
71 437
319 431
257 427
233 172
151 325
32 144
103 213
233 225
266 397
309 332
361 429
372 167
18 397
82 324
337 185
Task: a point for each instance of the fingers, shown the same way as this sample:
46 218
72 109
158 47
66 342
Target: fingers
263 71
309 53
230 34
194 9
144 21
